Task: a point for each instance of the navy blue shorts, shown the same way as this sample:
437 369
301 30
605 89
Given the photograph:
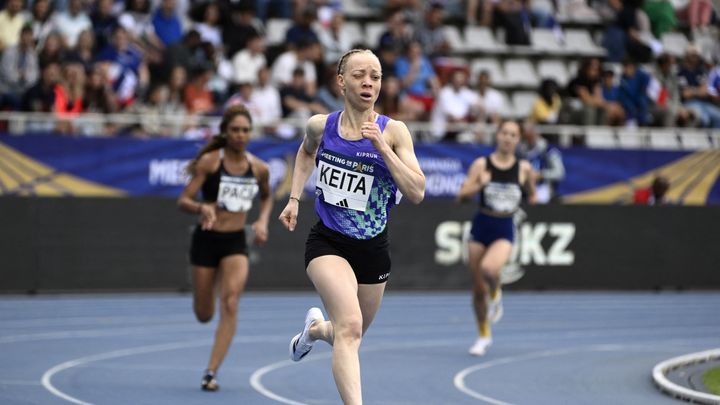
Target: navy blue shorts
369 258
486 229
209 247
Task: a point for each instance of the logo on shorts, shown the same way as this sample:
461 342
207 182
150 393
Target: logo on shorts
383 276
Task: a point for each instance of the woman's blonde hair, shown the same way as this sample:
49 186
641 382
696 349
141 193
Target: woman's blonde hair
343 59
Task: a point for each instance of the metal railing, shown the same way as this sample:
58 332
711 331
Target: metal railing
197 126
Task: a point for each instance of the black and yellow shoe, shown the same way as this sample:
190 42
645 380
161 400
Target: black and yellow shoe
209 383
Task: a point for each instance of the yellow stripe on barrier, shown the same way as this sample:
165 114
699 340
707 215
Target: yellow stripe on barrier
24 176
697 195
682 173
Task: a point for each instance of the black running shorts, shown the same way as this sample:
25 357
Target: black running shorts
209 247
369 258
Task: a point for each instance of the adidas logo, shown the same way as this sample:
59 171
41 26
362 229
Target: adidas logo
343 203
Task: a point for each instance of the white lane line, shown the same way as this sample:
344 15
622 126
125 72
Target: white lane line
256 377
46 379
459 380
48 375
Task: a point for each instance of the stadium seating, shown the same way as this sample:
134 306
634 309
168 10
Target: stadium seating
553 69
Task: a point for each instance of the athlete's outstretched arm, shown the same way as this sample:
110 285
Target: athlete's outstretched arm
304 164
473 181
399 156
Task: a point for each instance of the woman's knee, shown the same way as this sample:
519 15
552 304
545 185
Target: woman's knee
488 270
349 329
230 304
480 285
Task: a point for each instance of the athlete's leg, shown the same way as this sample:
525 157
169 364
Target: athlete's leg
335 281
370 297
492 262
476 251
203 283
232 275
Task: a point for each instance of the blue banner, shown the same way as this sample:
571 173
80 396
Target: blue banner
47 165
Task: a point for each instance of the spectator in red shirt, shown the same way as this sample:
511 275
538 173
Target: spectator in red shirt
656 194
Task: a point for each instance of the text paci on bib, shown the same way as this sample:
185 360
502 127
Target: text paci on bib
236 194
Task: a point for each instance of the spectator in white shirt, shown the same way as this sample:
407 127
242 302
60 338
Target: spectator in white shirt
209 23
247 62
72 22
492 102
267 98
335 40
455 104
304 56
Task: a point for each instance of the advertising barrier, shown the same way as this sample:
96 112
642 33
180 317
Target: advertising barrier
92 244
114 167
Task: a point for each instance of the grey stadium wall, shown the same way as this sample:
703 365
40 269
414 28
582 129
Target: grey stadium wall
140 244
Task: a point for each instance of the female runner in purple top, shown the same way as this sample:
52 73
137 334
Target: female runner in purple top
365 162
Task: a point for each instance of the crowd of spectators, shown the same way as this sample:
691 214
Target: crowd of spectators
194 58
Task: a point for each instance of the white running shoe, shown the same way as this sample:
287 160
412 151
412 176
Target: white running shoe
480 346
301 344
495 308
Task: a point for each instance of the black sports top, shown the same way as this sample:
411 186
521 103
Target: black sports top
233 193
502 194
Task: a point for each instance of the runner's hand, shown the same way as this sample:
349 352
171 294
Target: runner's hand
288 216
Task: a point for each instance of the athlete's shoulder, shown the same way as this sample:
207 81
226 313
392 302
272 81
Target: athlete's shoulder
396 126
481 160
316 123
258 165
209 161
397 132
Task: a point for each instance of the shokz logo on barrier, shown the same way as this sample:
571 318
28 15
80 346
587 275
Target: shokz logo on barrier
540 244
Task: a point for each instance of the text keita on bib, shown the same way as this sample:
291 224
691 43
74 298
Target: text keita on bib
343 181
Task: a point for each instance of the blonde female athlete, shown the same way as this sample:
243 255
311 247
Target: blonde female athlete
363 159
498 179
229 178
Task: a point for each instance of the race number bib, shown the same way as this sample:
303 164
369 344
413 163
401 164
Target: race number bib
502 197
236 194
342 187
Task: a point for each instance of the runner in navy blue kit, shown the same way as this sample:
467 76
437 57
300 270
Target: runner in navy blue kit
498 179
363 160
229 178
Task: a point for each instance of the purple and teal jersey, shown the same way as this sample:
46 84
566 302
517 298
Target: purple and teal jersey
354 187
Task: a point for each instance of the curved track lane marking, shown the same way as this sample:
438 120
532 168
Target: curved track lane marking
46 379
459 380
257 376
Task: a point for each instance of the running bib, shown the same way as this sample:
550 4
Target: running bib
236 194
342 187
502 197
